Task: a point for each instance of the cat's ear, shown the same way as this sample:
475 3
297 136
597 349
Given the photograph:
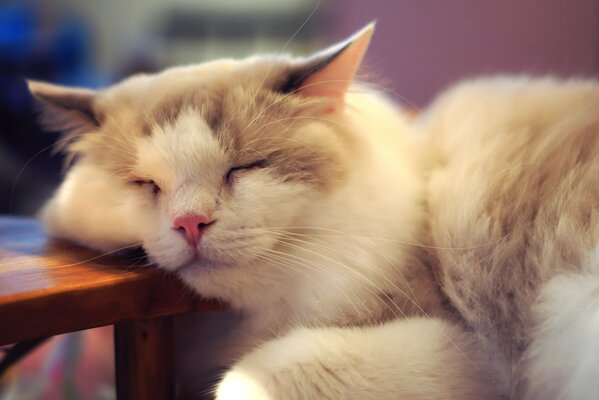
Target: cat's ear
329 73
65 109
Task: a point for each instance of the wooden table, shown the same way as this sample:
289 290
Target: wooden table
49 287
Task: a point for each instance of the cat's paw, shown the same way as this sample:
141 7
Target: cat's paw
293 367
239 385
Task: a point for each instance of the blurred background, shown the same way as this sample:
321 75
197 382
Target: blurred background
419 48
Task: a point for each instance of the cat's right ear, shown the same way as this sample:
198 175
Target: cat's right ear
65 109
330 72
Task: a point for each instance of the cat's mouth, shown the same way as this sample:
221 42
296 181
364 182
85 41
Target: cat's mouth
198 263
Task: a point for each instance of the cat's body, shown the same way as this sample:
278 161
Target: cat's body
391 259
514 203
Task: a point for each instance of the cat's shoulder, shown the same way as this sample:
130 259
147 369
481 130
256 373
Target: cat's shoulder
485 107
506 90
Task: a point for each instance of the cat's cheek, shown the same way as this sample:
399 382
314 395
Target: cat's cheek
164 247
270 201
95 209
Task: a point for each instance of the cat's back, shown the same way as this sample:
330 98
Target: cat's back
513 195
490 113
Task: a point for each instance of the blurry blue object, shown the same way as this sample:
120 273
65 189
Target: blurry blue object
35 43
18 25
70 45
70 50
59 53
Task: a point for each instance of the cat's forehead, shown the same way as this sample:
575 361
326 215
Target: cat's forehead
183 149
223 92
194 120
237 101
183 83
244 121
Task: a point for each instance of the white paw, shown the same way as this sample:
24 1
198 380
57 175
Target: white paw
238 385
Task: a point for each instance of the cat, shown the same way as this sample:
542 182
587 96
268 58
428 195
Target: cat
372 256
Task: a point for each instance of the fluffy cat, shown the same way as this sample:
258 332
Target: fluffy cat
372 257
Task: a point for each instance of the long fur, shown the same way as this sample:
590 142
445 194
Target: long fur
370 257
514 202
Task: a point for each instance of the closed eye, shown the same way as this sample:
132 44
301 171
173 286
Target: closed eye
244 167
149 183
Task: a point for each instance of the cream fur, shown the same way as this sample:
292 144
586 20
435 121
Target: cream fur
563 358
329 270
405 359
514 202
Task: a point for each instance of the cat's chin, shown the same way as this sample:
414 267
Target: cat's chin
201 276
200 265
193 265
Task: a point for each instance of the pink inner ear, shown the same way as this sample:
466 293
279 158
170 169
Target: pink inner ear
335 78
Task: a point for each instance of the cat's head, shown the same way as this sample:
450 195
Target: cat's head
203 165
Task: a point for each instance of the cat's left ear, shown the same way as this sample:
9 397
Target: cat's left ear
65 109
329 73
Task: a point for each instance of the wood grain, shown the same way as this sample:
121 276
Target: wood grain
47 287
144 358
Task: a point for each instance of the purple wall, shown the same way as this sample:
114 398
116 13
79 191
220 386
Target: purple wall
422 46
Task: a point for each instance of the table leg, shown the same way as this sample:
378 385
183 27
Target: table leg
144 359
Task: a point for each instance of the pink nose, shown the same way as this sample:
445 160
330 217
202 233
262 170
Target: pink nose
192 226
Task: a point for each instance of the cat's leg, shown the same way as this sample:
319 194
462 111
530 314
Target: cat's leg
405 359
562 362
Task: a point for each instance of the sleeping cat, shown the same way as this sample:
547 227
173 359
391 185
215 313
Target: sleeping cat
452 257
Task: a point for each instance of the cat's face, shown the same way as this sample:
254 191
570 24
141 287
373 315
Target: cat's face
206 165
219 169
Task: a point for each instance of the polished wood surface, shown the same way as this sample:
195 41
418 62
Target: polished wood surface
51 287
